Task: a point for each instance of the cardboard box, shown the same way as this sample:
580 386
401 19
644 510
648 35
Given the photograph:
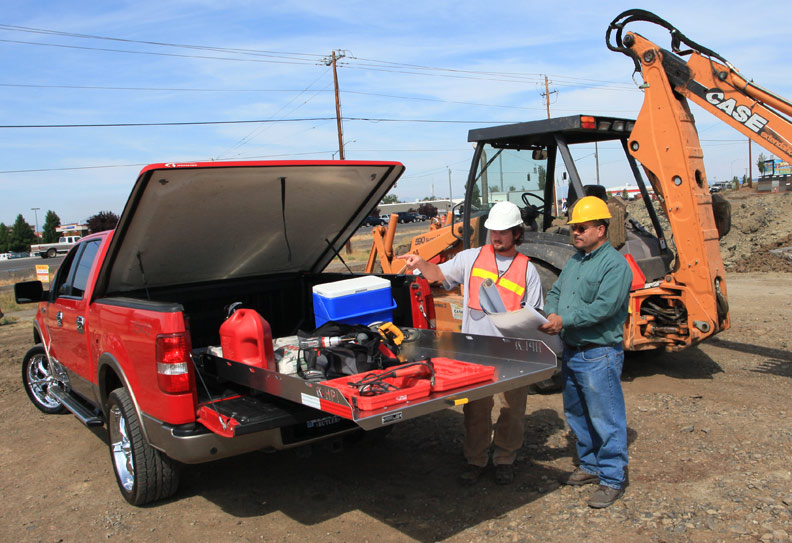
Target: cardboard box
448 312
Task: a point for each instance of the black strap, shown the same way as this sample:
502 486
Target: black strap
283 215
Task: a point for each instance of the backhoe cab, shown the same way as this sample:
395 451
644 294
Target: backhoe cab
664 312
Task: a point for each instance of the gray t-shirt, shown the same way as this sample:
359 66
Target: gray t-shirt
457 272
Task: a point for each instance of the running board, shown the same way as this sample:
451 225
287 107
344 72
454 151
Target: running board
83 414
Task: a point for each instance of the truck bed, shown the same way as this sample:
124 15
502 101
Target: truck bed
516 363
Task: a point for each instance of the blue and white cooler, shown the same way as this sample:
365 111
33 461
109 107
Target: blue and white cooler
361 300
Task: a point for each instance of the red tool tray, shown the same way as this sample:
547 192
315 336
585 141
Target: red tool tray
450 373
409 388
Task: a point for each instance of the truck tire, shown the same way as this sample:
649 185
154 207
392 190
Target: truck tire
37 379
51 253
143 474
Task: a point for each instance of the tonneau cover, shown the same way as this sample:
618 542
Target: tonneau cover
196 222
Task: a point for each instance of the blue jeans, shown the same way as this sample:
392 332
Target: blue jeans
594 409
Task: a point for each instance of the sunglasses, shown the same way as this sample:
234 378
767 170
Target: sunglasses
579 228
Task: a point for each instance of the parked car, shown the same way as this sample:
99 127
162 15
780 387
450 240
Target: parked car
372 221
720 186
408 216
51 250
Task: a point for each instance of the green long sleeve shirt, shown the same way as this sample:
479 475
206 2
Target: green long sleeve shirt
591 296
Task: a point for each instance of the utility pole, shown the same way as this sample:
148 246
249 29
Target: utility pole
450 197
546 96
596 160
35 213
547 104
750 159
332 62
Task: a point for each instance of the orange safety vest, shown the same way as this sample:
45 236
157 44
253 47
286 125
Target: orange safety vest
511 285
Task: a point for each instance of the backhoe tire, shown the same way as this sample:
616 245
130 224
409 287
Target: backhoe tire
548 275
143 474
721 209
37 378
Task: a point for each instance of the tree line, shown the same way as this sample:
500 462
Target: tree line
20 236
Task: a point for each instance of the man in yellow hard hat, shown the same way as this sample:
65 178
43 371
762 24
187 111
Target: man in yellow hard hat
518 284
587 305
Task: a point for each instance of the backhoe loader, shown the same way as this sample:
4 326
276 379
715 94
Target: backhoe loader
679 293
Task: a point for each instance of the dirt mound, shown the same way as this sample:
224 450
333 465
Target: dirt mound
760 223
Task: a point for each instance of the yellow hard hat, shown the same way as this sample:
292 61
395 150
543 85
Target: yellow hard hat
589 208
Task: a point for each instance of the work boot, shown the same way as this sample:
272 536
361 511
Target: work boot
470 475
581 477
604 496
504 474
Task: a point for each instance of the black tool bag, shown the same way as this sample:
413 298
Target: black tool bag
350 357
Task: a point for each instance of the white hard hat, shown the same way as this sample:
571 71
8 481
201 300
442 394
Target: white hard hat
502 216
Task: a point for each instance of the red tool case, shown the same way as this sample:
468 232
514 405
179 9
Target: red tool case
448 375
451 374
409 388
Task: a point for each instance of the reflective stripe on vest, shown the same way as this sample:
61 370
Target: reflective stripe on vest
511 285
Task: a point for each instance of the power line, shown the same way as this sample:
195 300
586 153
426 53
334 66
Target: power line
303 58
192 89
153 53
157 43
253 157
253 121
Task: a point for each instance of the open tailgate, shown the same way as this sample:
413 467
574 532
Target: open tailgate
516 363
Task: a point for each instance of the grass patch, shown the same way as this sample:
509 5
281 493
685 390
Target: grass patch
361 245
8 320
7 302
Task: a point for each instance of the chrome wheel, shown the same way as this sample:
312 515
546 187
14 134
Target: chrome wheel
38 379
121 449
143 473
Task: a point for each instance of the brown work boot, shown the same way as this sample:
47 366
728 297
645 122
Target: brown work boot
470 475
581 477
504 474
604 496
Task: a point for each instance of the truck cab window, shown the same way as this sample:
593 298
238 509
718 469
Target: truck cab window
83 268
513 175
72 277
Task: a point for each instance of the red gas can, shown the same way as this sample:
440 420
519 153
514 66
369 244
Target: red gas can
246 337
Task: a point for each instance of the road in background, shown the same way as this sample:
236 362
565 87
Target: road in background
21 269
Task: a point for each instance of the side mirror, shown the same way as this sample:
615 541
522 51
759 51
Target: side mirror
28 292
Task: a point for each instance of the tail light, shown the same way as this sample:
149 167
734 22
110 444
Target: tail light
588 122
173 363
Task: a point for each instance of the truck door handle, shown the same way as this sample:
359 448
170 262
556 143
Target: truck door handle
59 318
80 324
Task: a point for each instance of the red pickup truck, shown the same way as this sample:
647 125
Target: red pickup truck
127 335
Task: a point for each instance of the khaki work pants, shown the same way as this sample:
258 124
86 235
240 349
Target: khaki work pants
508 430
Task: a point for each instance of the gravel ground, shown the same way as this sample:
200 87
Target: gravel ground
709 431
710 441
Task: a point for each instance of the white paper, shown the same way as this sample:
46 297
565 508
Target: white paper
523 324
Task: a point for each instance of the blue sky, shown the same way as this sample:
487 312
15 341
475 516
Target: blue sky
454 65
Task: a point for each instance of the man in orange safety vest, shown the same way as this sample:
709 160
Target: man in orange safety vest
518 284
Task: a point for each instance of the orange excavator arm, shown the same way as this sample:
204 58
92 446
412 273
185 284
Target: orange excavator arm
709 80
665 141
440 241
